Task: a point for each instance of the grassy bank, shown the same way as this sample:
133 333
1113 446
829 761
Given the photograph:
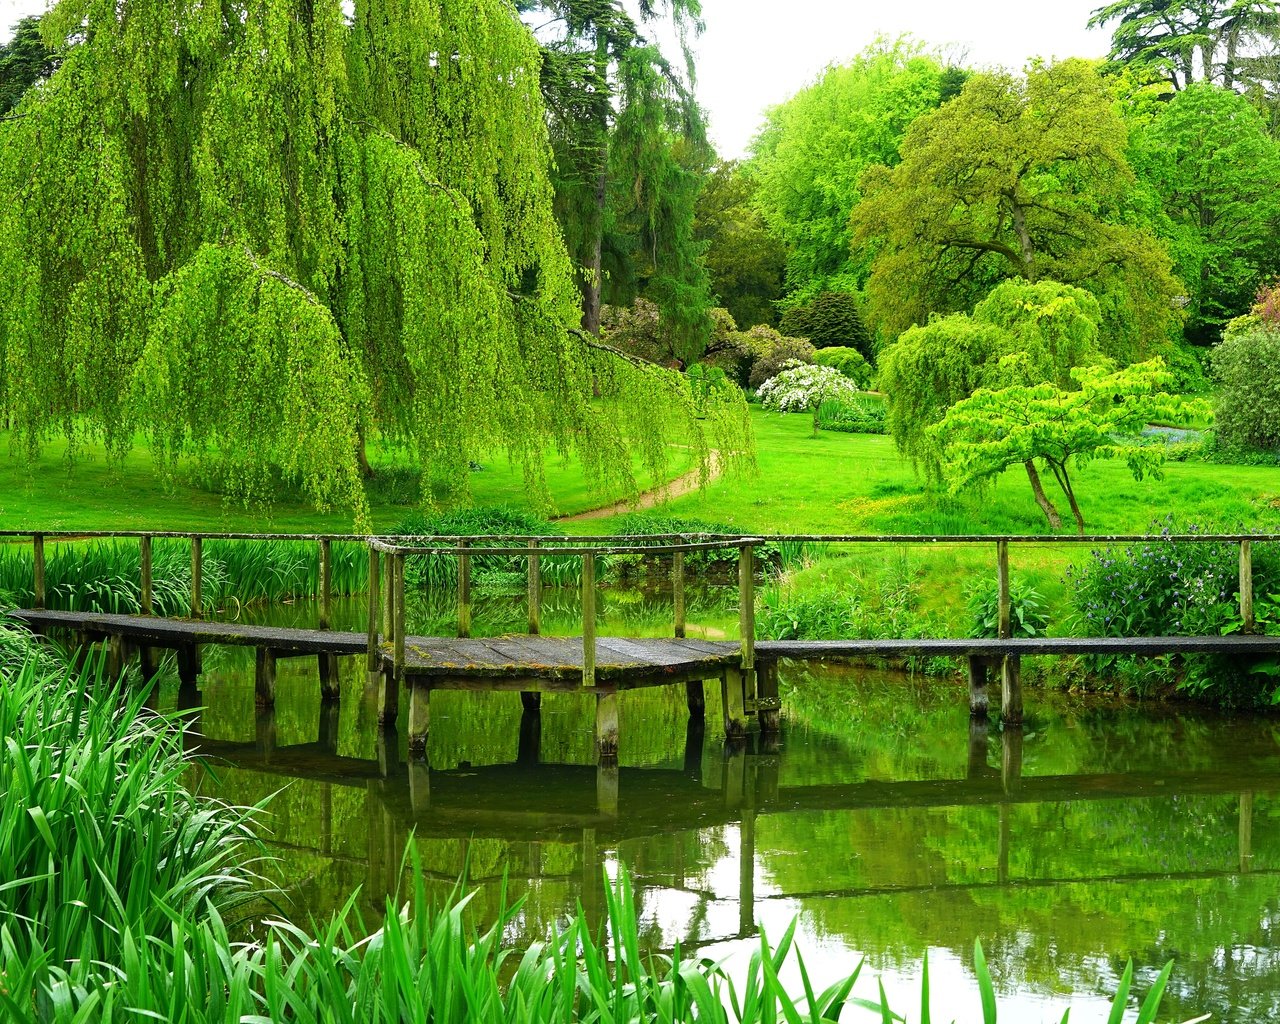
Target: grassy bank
122 890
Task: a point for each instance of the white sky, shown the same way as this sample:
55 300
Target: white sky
756 53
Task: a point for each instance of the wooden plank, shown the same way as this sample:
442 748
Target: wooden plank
628 653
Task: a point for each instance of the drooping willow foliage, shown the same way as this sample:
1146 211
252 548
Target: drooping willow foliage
260 232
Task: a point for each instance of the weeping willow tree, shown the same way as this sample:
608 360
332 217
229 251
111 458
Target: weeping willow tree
259 231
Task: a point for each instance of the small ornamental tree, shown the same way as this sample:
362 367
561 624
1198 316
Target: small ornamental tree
802 387
1248 400
987 433
831 320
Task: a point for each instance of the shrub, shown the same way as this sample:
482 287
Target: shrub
848 361
1248 407
1156 588
801 388
1027 613
859 417
480 521
1186 363
832 319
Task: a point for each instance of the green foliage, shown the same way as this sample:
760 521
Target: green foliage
106 576
1211 162
982 436
103 842
261 239
745 259
849 362
1028 614
1184 41
1048 200
831 320
1166 589
1051 328
766 352
1248 399
858 417
1187 365
24 60
808 157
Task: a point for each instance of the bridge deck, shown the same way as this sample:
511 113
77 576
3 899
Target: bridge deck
618 660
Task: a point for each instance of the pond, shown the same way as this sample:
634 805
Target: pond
880 819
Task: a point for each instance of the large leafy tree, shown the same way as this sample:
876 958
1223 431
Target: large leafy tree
814 147
630 155
746 261
1213 166
1019 176
259 231
1187 41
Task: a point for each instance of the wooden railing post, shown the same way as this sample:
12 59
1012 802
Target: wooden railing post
535 589
747 616
464 589
374 662
388 596
1246 587
589 619
197 569
398 634
326 583
37 551
1002 571
144 559
677 590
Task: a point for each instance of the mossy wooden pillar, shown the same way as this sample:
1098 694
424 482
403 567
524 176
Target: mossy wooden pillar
979 699
330 689
197 577
37 555
770 699
747 620
677 592
1011 666
1248 620
531 700
419 719
732 700
589 619
464 589
373 660
264 678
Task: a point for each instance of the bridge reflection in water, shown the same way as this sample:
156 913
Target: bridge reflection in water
583 812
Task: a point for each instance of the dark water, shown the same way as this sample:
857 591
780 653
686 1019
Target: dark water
881 819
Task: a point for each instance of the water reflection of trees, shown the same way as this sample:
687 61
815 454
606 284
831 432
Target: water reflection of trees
1169 864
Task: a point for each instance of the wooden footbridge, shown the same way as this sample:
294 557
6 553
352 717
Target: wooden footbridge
400 663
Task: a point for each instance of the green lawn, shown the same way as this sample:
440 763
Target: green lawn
97 494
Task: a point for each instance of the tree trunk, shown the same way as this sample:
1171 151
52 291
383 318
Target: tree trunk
591 279
1042 499
1025 244
362 457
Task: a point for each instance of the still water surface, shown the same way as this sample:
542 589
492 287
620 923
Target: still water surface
881 820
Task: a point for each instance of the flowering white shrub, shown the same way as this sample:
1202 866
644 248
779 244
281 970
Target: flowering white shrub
803 387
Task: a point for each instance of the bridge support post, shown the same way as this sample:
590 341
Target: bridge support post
419 719
1011 691
606 726
695 697
327 732
733 701
264 678
529 750
531 700
115 655
1247 617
